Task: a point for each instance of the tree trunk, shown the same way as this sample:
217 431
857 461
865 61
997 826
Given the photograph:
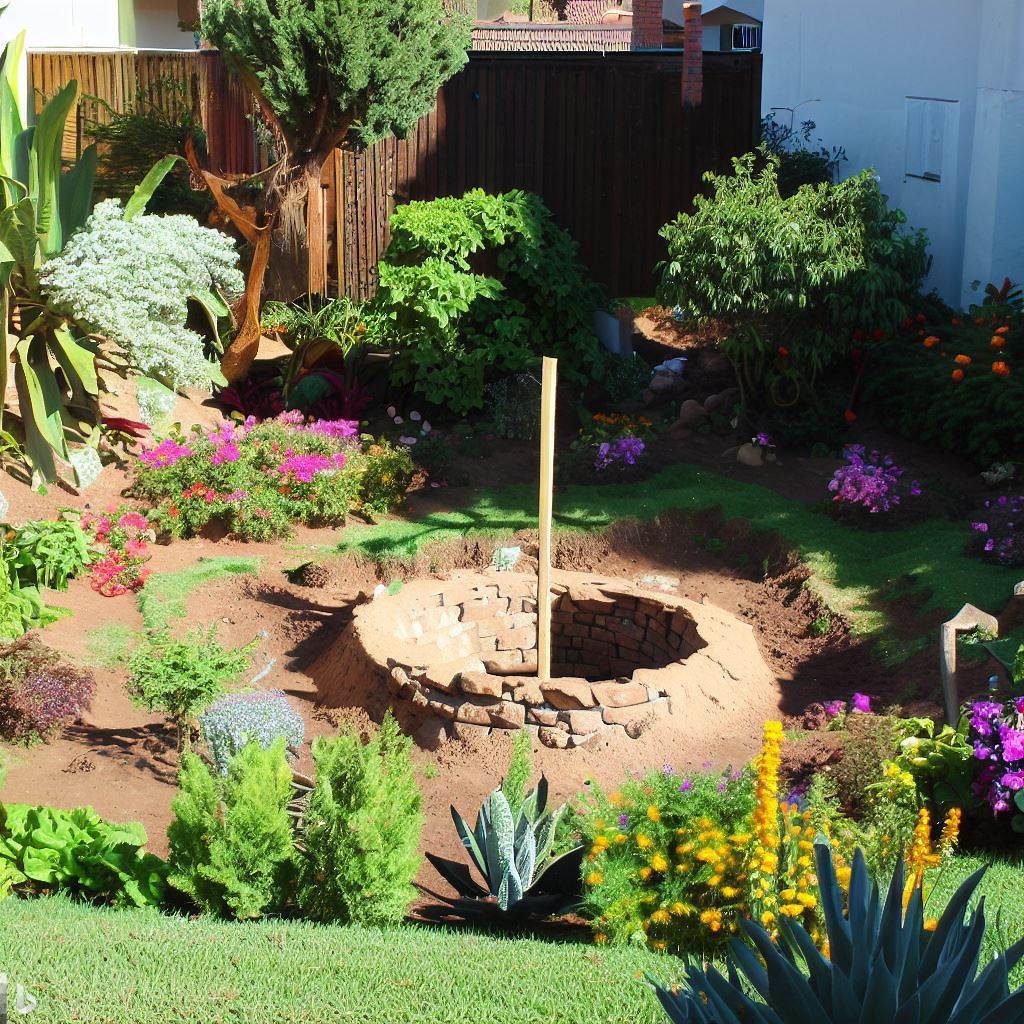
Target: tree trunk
239 355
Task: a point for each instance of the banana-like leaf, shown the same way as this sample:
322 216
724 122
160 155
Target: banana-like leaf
18 235
78 361
214 310
76 188
45 166
140 198
39 400
10 105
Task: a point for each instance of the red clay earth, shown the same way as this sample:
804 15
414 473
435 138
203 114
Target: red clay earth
122 761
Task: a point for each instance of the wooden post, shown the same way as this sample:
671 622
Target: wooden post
549 382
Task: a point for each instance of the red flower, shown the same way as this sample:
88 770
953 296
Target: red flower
878 334
783 352
850 416
958 375
858 335
921 318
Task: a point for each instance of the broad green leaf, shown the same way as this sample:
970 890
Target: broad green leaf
78 361
140 198
76 189
45 169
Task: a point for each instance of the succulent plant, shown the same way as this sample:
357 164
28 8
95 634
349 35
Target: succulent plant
513 853
884 965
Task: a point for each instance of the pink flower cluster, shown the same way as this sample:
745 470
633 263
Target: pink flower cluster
998 741
123 539
165 454
302 468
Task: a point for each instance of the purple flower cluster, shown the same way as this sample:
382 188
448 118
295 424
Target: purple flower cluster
627 449
999 530
339 429
870 481
41 693
998 741
259 717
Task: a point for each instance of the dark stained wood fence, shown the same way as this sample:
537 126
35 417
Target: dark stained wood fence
604 139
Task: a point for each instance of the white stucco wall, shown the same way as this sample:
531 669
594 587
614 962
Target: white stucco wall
63 23
851 67
156 26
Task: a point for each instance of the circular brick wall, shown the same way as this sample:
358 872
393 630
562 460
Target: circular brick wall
462 654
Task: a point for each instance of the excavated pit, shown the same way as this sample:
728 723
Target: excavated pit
459 657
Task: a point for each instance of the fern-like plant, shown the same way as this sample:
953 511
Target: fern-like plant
362 829
884 965
231 845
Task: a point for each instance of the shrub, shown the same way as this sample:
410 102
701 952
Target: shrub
513 407
39 692
181 677
869 741
884 963
870 487
362 829
132 140
231 846
133 281
259 478
262 717
46 849
798 279
947 379
483 285
799 163
998 530
122 538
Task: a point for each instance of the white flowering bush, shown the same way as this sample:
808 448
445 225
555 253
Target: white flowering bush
131 281
262 716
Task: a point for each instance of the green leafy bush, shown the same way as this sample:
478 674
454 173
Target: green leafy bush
954 380
231 844
884 965
182 677
387 473
47 553
362 829
795 279
800 162
45 849
483 285
513 406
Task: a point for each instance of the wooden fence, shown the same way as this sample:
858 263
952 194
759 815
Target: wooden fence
604 139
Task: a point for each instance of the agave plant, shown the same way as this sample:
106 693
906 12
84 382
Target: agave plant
513 853
884 965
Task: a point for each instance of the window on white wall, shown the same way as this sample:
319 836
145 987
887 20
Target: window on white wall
930 129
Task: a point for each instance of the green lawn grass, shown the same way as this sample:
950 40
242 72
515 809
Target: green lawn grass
165 594
853 571
95 965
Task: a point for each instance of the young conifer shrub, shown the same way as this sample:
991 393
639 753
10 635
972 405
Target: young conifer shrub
231 845
362 829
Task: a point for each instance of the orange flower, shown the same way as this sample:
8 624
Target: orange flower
998 341
955 322
921 318
958 375
1000 369
783 351
980 320
930 342
850 416
1002 330
962 360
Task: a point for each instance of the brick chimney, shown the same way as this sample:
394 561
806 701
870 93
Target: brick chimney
693 54
648 32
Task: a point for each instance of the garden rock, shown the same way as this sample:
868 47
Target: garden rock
750 455
691 414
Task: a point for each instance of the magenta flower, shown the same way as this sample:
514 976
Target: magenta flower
834 708
339 429
165 454
861 702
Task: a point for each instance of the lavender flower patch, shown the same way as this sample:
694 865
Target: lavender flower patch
234 721
998 531
998 741
626 450
871 483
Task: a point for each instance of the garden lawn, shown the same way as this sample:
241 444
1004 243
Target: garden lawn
94 965
165 594
853 571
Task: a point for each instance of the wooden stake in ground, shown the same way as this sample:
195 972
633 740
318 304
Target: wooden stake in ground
547 483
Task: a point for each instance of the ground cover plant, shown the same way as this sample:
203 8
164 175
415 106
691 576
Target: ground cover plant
235 720
164 597
451 325
40 692
259 478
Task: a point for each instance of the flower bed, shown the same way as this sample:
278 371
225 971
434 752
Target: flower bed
257 479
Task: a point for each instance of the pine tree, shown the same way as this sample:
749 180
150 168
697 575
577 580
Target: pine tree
324 73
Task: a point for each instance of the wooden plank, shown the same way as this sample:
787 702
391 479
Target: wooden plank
549 381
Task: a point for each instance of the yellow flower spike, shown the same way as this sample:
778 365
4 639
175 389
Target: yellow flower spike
620 838
653 813
643 841
594 878
645 873
659 863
